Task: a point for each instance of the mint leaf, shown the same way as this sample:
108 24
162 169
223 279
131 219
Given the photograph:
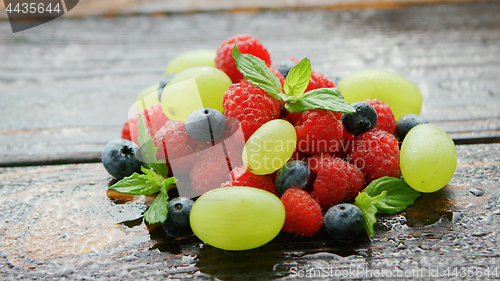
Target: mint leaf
324 98
298 78
367 206
257 73
148 150
137 185
157 212
398 194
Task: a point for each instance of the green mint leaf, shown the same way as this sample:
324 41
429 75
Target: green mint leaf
148 150
157 212
398 194
367 206
324 98
257 73
298 78
168 184
137 184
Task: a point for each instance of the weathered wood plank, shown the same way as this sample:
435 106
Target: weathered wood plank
451 229
69 80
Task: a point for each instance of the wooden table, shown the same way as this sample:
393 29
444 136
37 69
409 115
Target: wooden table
66 86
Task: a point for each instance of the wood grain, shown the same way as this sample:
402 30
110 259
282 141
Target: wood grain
451 228
64 84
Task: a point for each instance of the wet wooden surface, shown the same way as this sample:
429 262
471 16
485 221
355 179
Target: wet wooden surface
66 87
44 224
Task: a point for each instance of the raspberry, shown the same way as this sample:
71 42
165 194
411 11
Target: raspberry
250 105
385 118
246 44
210 171
173 142
318 81
241 176
126 131
337 181
153 117
376 153
303 214
318 131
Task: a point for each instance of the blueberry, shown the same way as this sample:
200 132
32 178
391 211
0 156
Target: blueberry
177 223
364 119
344 221
284 67
206 124
119 158
295 173
163 83
406 122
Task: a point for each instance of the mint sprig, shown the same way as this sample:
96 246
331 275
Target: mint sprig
398 194
153 180
157 212
386 195
324 98
298 78
257 73
146 184
367 206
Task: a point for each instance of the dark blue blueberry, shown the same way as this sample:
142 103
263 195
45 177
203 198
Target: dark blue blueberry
119 158
406 122
344 221
163 83
295 173
206 124
364 119
177 223
284 67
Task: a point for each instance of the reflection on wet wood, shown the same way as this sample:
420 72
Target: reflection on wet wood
94 235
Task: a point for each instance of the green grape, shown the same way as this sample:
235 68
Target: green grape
146 98
211 83
270 147
428 158
398 92
180 99
237 218
191 59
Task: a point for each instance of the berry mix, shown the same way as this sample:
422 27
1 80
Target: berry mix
281 150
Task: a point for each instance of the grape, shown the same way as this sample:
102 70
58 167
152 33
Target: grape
270 147
237 218
191 59
428 158
398 92
211 83
146 98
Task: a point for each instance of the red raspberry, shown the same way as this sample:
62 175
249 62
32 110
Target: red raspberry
318 81
126 131
385 118
303 214
337 181
210 171
153 117
318 131
246 44
250 105
172 142
241 176
376 153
